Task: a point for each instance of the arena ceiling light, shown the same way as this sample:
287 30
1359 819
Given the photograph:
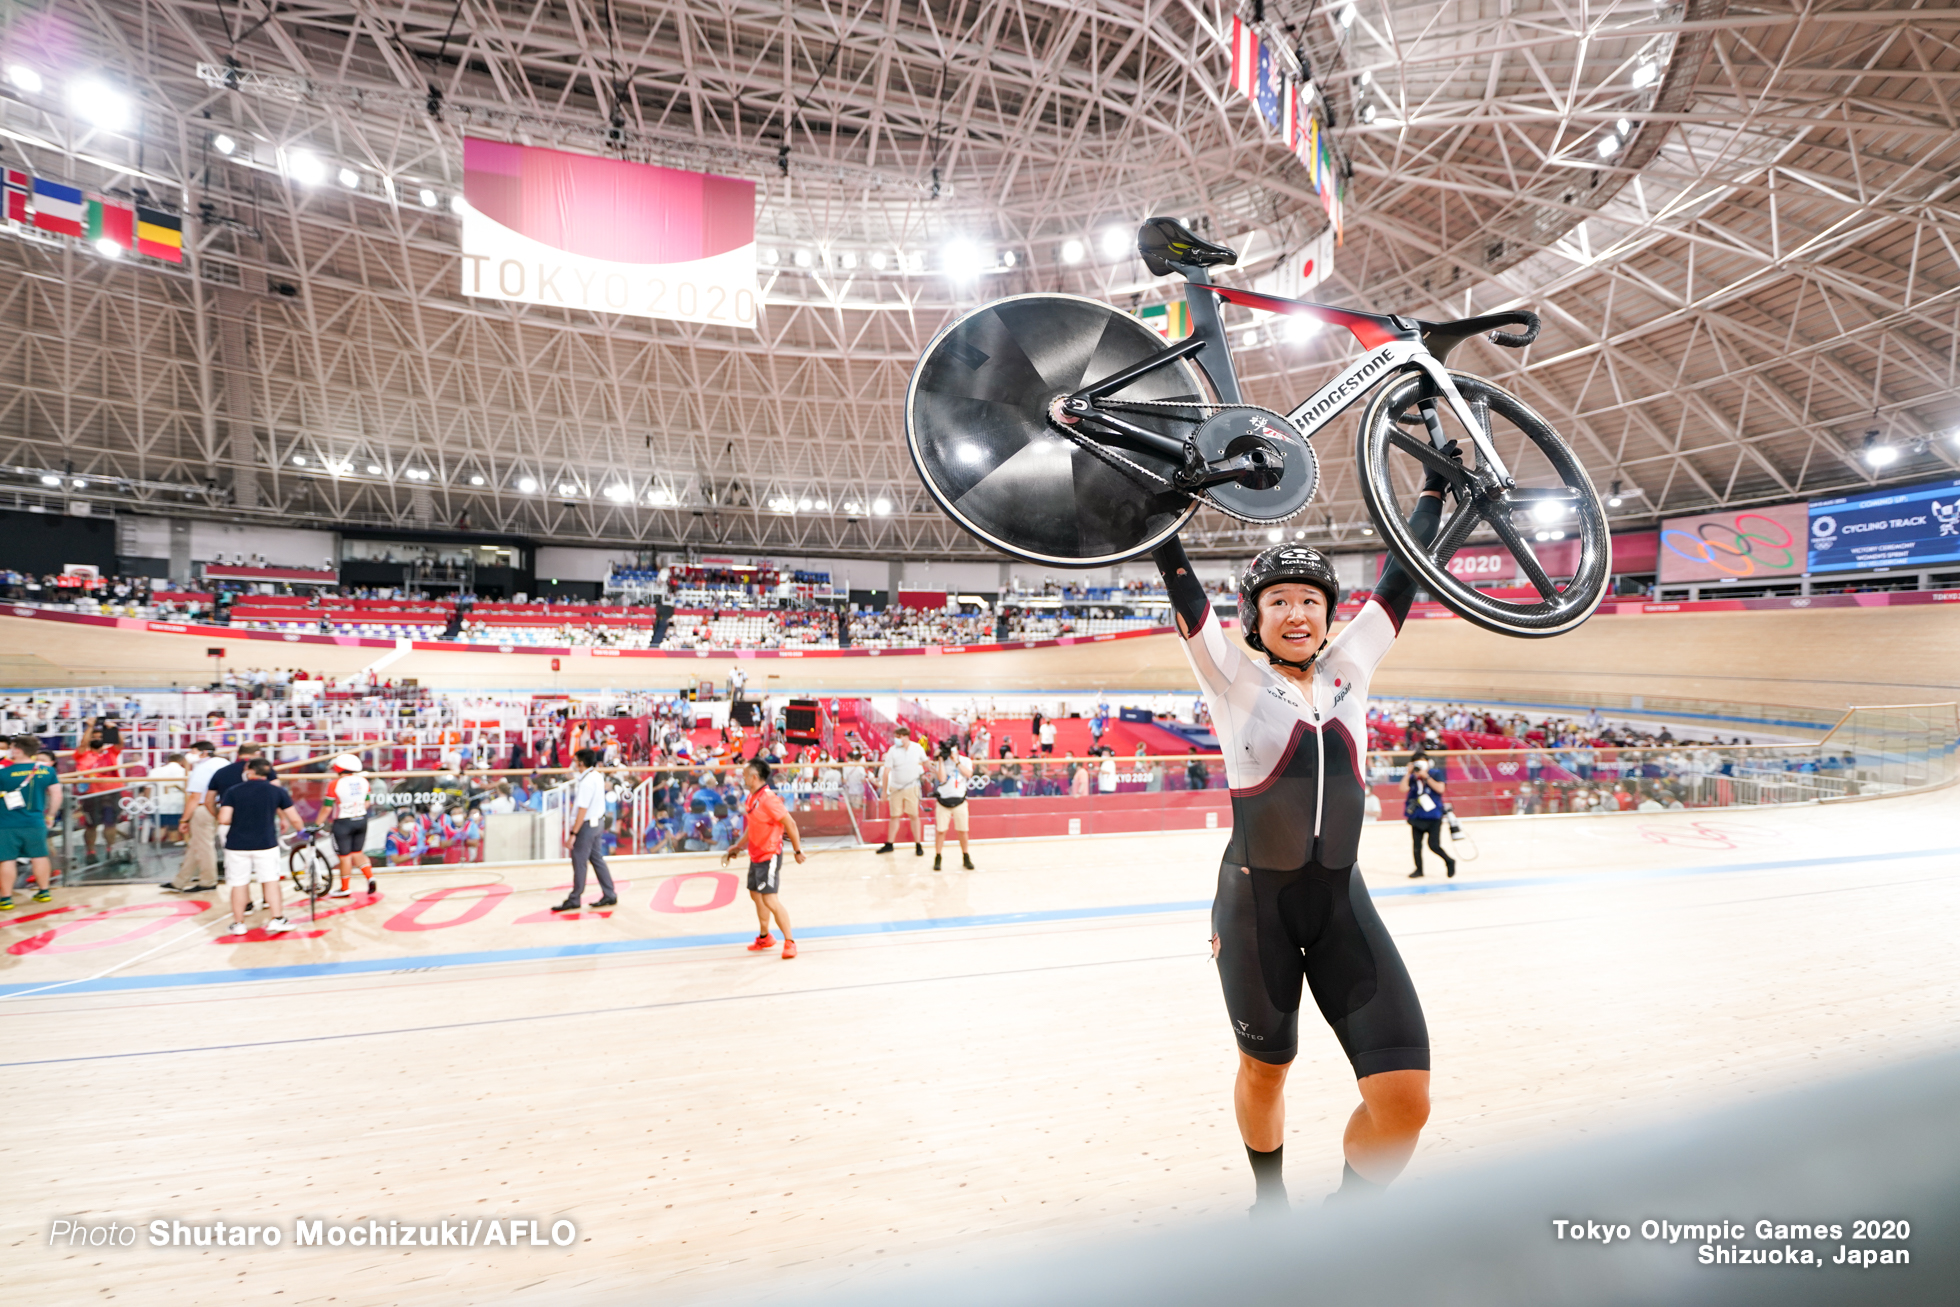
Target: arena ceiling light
1115 242
1645 73
97 102
881 506
1609 145
879 260
374 469
619 494
50 479
771 257
108 249
1345 16
24 79
567 489
305 167
660 497
350 179
428 198
299 460
803 505
224 144
527 485
1548 510
457 204
416 474
1882 455
960 260
1073 250
1301 328
476 481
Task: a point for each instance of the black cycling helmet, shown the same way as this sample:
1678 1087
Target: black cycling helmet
1300 563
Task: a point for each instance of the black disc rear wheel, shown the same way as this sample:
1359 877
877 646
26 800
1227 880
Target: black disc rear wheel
978 426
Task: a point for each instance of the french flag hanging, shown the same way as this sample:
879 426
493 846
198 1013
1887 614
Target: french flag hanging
1245 59
19 186
58 208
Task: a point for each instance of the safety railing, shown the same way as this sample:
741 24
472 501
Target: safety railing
118 828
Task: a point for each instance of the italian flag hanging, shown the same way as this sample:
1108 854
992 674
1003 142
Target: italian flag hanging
110 221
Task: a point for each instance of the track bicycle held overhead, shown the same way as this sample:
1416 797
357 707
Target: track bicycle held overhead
1061 430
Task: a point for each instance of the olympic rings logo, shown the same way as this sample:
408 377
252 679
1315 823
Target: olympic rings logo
1742 552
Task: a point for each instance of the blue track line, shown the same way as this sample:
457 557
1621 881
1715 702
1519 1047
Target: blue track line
602 948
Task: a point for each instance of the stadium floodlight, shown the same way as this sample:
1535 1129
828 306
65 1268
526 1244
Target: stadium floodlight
1645 73
881 506
1345 17
1609 145
476 480
1072 250
299 460
428 198
350 179
619 494
527 485
24 79
99 103
224 144
50 479
879 260
960 260
1115 243
305 168
374 469
108 249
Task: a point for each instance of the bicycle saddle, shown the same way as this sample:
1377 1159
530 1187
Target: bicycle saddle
1165 241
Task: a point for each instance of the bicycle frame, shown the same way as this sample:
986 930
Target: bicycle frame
1395 343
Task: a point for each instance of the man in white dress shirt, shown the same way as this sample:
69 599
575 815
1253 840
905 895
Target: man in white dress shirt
588 819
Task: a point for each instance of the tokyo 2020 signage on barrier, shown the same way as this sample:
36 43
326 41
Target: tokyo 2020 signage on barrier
1752 543
1909 527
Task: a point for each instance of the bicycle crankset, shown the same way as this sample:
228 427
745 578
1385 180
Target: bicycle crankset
1255 464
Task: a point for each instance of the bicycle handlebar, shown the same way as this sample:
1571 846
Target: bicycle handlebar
1524 318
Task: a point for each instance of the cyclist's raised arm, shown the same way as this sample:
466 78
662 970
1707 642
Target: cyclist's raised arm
1215 659
1397 588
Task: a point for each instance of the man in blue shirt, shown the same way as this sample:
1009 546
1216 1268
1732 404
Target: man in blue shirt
253 812
25 789
727 828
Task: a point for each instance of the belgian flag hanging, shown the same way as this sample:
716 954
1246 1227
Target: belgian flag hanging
159 235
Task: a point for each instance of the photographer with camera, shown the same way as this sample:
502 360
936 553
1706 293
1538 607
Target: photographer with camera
1425 811
952 774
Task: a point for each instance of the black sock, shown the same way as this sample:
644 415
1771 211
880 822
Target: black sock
1265 1173
1353 1182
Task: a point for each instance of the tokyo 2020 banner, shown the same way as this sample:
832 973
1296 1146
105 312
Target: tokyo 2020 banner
1908 527
1753 543
567 230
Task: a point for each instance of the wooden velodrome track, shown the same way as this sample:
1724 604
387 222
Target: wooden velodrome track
1821 657
968 1063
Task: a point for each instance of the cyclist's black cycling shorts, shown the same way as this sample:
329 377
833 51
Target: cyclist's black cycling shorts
1276 928
349 835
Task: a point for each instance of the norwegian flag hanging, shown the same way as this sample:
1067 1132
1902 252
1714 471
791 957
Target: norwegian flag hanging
19 186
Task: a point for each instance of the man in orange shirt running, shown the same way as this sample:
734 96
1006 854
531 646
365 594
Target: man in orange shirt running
767 821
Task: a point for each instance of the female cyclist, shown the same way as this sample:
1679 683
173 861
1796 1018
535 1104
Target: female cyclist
1291 904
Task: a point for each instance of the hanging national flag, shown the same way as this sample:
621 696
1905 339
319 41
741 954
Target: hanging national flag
1289 126
19 187
1245 60
1171 321
159 235
1310 151
57 208
109 221
1269 87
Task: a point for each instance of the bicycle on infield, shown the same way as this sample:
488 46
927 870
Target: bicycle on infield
1059 429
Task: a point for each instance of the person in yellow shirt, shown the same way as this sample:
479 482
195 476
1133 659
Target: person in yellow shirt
29 791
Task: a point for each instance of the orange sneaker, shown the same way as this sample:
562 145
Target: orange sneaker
789 949
762 942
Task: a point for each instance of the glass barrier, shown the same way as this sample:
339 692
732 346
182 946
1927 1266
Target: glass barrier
119 828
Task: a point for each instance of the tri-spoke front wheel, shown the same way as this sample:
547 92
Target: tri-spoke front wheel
1524 554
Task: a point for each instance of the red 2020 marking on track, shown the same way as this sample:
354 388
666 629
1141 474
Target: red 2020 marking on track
45 942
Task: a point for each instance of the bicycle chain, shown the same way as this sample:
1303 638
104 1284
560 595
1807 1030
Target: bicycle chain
1124 465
